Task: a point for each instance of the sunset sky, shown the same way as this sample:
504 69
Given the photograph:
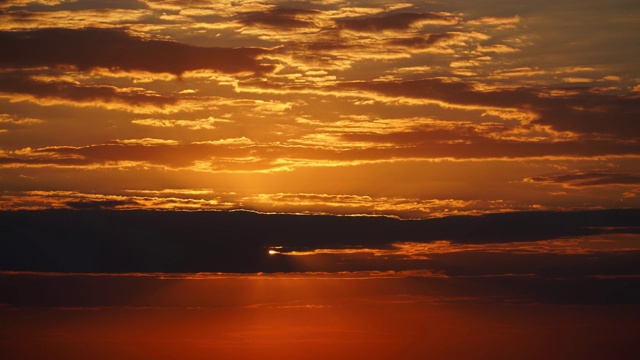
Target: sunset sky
487 153
415 110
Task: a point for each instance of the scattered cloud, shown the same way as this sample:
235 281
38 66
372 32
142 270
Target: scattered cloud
9 122
200 124
18 87
585 179
272 96
488 20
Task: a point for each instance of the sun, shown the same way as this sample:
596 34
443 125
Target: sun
274 250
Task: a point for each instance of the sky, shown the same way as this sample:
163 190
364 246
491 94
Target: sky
245 179
414 110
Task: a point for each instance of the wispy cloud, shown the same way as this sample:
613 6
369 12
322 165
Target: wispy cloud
584 179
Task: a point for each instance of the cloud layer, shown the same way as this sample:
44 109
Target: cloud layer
309 107
139 241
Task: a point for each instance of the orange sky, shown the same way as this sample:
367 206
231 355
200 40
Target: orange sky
517 111
414 109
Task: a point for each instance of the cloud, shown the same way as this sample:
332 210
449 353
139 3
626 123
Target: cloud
354 146
116 50
177 199
9 122
20 86
607 243
361 205
57 5
209 123
14 20
281 18
394 21
98 205
145 241
146 142
585 179
489 20
576 109
424 41
477 143
516 72
496 48
215 155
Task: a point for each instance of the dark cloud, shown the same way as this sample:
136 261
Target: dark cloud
582 179
103 4
423 41
322 46
596 114
98 204
116 50
169 155
397 21
17 83
82 5
581 111
284 18
147 241
469 144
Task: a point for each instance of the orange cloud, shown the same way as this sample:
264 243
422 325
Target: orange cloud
19 86
585 179
610 243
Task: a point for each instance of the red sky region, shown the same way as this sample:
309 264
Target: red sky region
377 316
